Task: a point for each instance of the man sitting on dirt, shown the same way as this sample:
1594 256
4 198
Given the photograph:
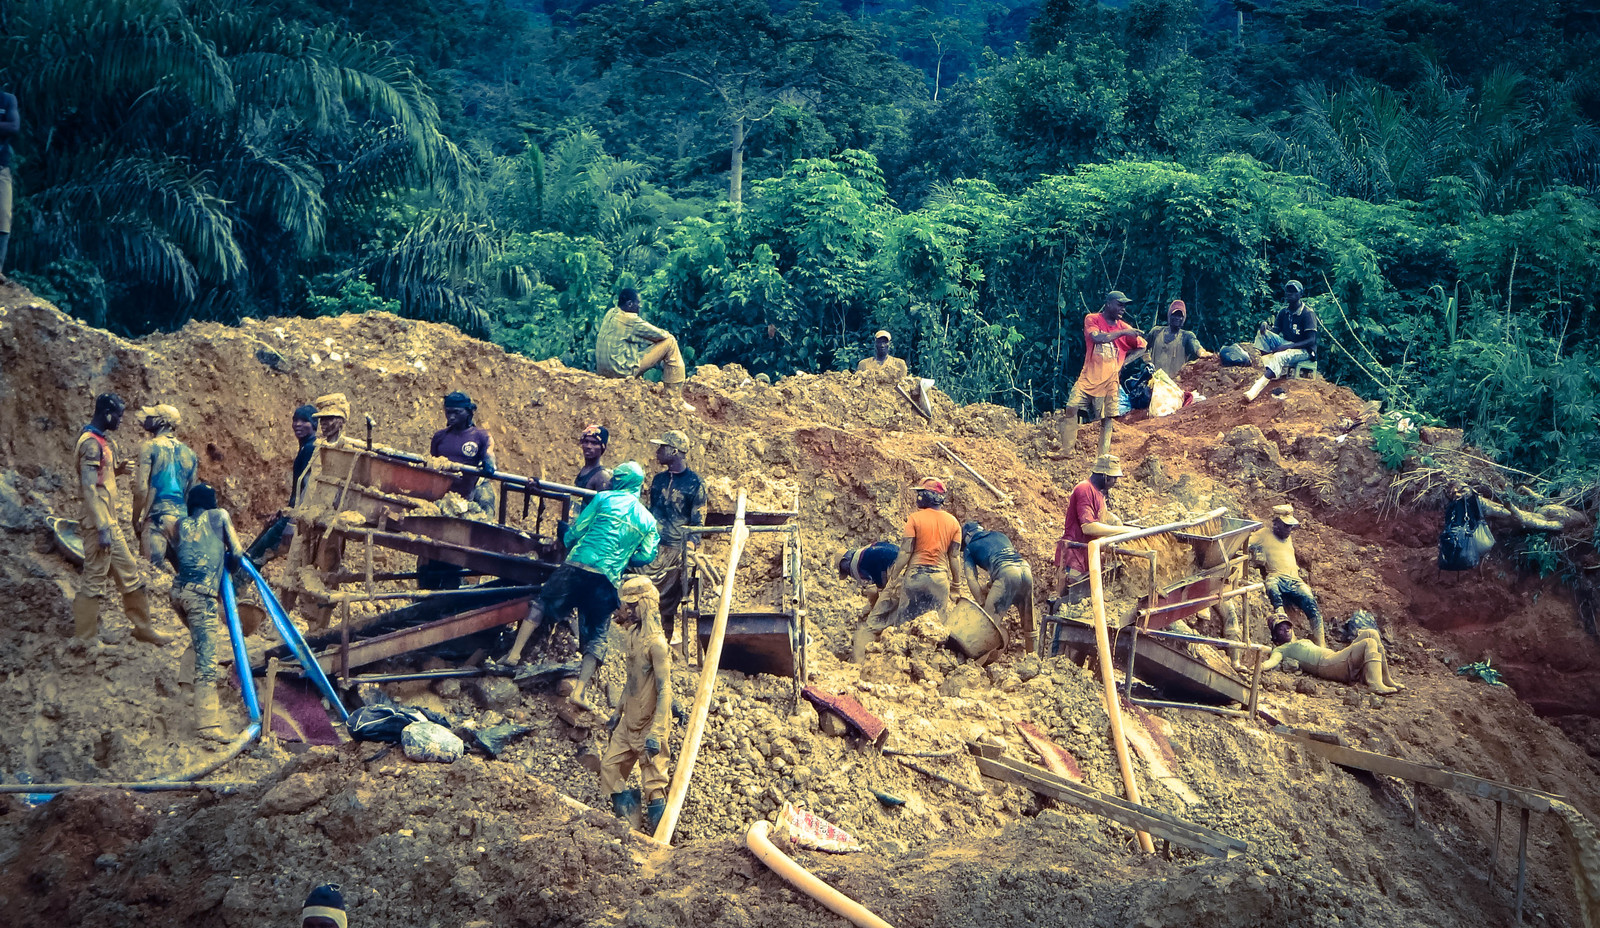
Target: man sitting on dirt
870 567
463 442
882 363
1363 660
1088 516
928 567
613 532
678 502
1010 577
324 908
1171 345
628 346
642 725
1107 343
1272 550
105 552
206 545
1291 339
166 471
273 540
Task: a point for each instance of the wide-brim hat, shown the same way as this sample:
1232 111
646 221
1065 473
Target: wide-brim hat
1108 465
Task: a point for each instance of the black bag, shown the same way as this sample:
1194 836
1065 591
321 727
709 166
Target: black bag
1136 376
1460 545
383 722
1234 356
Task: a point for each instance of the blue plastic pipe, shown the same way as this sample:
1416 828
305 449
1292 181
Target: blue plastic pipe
296 642
241 658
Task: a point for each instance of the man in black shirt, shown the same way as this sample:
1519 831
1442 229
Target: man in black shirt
1010 577
870 566
1291 339
678 501
593 475
274 539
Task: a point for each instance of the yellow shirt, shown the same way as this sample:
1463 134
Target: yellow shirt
892 368
1274 553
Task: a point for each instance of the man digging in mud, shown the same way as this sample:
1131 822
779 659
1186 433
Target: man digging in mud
869 567
1088 516
614 532
1272 550
642 724
678 502
1010 577
1364 660
166 472
463 442
206 545
274 539
105 552
928 568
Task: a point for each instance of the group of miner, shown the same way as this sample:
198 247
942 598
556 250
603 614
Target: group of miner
629 562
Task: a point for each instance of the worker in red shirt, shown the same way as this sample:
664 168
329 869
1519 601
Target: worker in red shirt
1088 517
1108 343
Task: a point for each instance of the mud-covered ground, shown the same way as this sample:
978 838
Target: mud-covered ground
489 841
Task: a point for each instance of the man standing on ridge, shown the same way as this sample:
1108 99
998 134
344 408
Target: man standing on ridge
167 470
885 365
1107 343
105 552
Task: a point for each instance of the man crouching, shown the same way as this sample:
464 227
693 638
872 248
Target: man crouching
641 726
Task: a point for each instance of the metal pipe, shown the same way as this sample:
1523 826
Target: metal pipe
722 529
1210 600
145 786
420 675
1203 639
296 642
1103 642
1165 704
1522 863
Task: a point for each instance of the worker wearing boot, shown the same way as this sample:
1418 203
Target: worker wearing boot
928 567
1272 550
166 471
1291 339
1010 577
462 441
1089 516
871 567
308 549
642 724
678 502
627 346
1107 343
106 557
614 532
1364 661
206 546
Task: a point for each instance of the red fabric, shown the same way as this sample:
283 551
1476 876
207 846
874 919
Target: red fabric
105 458
1103 363
1086 505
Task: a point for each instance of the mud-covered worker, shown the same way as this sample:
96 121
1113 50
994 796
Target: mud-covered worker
882 363
1171 346
628 346
1290 339
1089 516
307 549
1107 343
10 125
273 540
678 502
166 471
464 442
643 723
1272 550
106 557
1010 577
614 532
870 567
206 546
324 908
1365 659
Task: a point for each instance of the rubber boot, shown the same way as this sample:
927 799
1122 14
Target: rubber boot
136 603
86 616
653 813
625 805
1256 388
207 716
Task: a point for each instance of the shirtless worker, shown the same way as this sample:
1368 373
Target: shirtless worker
869 567
166 471
105 552
643 723
592 445
1088 516
1010 577
1107 343
271 542
206 545
613 532
463 442
678 502
1364 660
627 346
1272 550
882 363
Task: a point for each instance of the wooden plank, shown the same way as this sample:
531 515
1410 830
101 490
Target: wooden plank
1132 814
372 650
1428 774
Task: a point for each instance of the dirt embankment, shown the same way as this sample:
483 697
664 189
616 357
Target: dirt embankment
488 841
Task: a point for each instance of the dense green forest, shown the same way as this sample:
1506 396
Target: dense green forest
781 178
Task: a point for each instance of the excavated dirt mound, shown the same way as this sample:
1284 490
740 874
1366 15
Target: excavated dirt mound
490 841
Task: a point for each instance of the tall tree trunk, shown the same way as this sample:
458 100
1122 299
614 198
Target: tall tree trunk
736 168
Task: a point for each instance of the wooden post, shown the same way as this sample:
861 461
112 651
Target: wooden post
266 704
708 684
1522 863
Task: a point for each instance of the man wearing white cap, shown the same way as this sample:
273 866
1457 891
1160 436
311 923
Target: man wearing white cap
882 363
1272 549
166 471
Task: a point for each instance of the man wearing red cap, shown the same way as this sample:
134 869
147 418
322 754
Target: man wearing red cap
1107 341
929 564
1171 345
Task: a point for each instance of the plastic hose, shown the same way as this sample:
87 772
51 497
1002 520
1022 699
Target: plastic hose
241 657
807 882
296 642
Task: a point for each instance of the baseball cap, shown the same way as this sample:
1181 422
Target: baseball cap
1178 306
1119 296
882 333
674 438
1285 514
1295 286
931 484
